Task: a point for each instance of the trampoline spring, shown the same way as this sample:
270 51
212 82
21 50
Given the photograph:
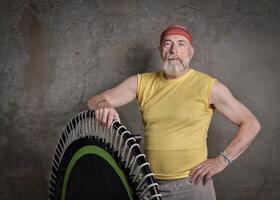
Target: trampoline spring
85 132
137 172
129 151
92 127
75 127
65 137
103 134
62 145
78 128
72 127
78 125
117 137
101 128
111 134
108 131
58 152
121 141
143 179
134 162
125 146
57 163
51 186
53 175
56 156
51 193
97 128
156 196
87 126
147 189
112 139
82 129
70 136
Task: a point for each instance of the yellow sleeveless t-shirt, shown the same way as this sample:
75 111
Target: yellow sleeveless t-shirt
176 115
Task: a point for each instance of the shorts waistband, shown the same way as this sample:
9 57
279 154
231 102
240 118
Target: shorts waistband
172 180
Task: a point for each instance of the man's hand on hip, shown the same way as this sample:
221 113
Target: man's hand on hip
106 113
205 170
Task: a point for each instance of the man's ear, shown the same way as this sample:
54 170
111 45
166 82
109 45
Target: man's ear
191 51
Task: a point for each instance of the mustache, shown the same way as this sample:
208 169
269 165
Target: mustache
170 58
173 58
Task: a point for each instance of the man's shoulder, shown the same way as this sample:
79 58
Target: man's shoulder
149 75
202 75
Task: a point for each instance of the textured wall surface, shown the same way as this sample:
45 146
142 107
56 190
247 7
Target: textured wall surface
56 54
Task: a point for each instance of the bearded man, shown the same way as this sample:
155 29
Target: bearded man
177 105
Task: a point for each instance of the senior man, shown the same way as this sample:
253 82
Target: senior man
177 104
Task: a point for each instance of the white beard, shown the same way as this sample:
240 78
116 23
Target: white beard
175 68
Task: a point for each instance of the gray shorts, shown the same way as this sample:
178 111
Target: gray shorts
183 189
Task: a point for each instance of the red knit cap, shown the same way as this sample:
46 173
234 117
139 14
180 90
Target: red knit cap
176 30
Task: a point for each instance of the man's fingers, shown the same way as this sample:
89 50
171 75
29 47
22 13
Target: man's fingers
110 119
193 170
98 115
206 178
104 116
200 177
196 173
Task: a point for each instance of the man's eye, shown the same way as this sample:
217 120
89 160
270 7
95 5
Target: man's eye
182 44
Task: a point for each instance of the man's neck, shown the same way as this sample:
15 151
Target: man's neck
170 77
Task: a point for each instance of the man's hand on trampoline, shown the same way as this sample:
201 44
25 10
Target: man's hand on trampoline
205 170
106 113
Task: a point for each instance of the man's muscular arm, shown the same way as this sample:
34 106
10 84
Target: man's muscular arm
237 113
104 103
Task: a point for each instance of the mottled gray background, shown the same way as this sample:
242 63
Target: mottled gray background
54 55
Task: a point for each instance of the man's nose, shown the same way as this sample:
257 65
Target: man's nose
173 49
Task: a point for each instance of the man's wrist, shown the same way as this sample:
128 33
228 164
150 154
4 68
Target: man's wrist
225 157
223 161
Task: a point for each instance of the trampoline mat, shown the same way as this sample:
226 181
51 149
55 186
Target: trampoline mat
89 172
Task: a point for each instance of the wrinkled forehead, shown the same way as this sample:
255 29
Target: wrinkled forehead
175 38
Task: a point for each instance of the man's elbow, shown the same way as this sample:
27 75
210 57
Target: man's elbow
256 125
90 104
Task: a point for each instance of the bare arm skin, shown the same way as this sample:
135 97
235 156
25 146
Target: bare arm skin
222 99
104 104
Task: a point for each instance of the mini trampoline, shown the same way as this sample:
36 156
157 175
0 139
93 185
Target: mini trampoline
92 162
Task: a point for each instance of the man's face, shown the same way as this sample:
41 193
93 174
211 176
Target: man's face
176 53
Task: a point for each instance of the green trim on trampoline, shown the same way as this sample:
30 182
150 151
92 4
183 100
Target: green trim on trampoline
92 149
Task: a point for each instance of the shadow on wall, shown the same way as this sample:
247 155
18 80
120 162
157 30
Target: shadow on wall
141 59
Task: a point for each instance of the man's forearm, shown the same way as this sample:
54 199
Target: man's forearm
242 139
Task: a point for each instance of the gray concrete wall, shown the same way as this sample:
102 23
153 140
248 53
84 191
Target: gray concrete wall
54 55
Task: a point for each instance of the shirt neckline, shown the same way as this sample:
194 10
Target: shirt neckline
183 77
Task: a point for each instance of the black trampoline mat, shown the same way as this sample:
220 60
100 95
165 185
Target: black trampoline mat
92 177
